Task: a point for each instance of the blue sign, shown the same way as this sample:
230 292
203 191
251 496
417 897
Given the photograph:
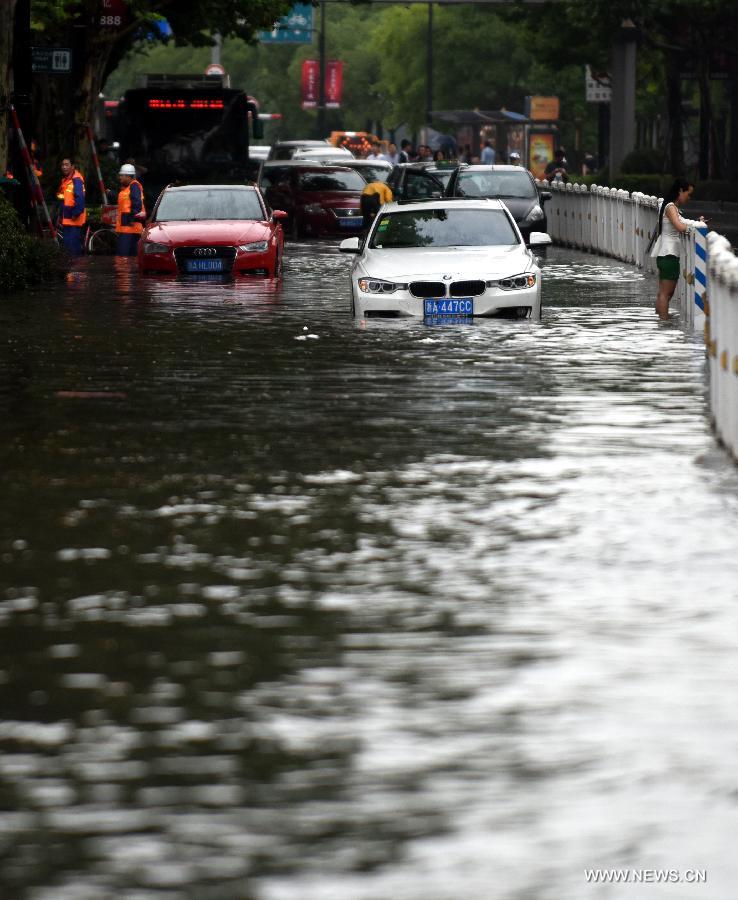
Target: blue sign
294 28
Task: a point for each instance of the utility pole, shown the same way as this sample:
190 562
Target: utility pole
321 76
429 69
622 104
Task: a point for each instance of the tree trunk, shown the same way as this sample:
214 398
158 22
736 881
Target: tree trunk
7 15
674 113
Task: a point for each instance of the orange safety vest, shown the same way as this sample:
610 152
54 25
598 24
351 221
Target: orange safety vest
126 223
66 195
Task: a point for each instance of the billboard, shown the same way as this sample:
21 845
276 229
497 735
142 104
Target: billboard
310 78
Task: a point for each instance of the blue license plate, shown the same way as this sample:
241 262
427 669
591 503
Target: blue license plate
204 265
452 306
351 222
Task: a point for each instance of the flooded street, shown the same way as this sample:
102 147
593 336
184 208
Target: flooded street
295 608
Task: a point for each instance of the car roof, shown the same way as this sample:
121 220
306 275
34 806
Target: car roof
210 187
444 203
500 168
314 164
369 162
308 142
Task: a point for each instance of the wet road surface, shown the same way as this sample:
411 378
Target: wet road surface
297 609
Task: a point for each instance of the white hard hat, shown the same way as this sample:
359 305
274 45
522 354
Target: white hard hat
127 169
515 155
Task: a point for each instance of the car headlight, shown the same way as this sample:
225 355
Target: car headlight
535 215
313 208
515 282
153 247
377 286
255 247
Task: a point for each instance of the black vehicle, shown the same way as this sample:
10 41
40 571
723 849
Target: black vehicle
182 128
416 181
514 185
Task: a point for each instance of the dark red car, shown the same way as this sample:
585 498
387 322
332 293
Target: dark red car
213 229
319 199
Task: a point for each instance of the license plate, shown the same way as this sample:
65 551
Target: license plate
351 222
453 306
204 265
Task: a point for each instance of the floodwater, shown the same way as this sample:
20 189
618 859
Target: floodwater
294 608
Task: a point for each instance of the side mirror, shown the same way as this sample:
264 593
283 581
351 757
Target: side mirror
539 239
545 195
350 245
278 214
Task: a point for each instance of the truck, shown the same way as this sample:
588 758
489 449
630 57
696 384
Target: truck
188 129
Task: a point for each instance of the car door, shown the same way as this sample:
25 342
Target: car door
417 184
276 187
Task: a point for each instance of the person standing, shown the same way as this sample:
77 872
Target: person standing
406 151
392 156
373 197
131 211
515 158
668 245
488 154
71 194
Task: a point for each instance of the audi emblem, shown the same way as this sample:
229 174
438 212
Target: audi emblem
205 251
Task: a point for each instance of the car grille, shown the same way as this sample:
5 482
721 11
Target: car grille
228 254
467 288
427 289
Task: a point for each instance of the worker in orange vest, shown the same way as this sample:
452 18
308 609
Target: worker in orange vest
131 211
71 194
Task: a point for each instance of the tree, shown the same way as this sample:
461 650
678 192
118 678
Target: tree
7 17
100 45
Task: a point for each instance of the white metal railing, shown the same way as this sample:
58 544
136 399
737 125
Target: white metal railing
615 223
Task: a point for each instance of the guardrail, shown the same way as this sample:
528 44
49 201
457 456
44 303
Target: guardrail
615 223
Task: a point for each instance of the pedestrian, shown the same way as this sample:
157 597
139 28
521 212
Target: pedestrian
406 151
71 195
589 164
131 211
488 154
667 247
392 155
376 151
373 197
556 169
515 158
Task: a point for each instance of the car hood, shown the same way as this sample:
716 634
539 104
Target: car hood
207 232
423 264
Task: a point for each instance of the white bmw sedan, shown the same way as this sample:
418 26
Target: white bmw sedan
445 258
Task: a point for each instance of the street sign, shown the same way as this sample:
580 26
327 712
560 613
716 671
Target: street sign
294 28
597 86
51 60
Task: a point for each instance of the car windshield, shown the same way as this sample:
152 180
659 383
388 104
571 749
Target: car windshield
214 203
517 185
331 181
444 228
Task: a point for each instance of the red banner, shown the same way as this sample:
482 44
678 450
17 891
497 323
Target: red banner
310 77
333 83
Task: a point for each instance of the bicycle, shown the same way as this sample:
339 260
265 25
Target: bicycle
101 241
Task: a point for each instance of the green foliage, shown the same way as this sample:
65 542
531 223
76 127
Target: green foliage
646 161
25 260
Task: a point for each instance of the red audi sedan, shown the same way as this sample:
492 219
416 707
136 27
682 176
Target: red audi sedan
212 229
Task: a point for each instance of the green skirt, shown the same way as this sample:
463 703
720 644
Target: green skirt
668 267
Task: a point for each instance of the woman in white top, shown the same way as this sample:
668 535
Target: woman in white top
668 245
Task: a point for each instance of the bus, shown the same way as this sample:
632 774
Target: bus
188 129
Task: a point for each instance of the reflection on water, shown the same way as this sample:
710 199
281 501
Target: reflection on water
391 611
